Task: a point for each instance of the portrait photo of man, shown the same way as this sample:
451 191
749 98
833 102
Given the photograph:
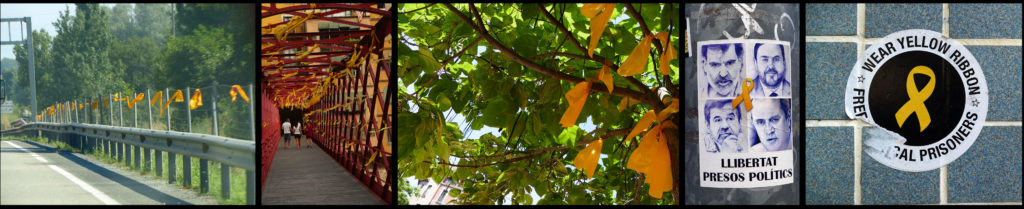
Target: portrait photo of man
722 66
770 66
771 124
722 127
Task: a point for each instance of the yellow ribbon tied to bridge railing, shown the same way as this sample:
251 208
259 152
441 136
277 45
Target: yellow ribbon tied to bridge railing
374 156
196 100
237 90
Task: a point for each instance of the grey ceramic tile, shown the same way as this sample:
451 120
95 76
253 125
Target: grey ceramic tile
883 19
829 166
990 171
984 20
831 19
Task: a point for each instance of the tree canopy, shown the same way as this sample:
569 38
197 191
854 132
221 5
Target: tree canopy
537 72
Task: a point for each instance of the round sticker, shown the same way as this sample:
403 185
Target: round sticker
925 96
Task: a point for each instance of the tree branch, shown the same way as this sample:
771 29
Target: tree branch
596 87
643 25
531 154
431 4
561 27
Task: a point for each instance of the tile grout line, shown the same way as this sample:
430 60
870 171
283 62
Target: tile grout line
860 30
944 171
943 187
857 196
945 20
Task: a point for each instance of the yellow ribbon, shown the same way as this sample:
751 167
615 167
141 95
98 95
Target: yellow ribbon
236 89
917 98
138 98
745 96
374 156
196 100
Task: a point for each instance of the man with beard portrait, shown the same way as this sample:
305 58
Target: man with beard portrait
770 65
723 127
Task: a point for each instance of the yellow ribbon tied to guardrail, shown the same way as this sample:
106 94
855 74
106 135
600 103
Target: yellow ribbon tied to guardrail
237 90
196 100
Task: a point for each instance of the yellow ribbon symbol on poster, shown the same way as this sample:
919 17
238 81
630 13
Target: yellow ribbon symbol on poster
917 97
745 96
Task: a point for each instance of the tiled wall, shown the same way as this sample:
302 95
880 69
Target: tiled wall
837 170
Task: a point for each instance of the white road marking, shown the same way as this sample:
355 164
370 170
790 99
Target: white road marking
92 190
29 152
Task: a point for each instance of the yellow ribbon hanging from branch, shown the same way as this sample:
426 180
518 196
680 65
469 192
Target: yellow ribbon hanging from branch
668 55
599 15
637 59
577 96
237 90
196 100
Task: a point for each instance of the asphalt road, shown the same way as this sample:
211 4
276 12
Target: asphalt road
33 173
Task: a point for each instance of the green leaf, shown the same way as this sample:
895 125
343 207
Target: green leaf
529 11
568 136
443 103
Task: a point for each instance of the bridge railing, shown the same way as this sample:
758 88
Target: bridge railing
130 127
353 125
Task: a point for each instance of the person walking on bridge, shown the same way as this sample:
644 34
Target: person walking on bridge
286 127
298 135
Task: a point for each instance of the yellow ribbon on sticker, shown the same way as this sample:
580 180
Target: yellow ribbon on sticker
917 98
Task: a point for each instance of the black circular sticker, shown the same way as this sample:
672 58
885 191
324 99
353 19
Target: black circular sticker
889 85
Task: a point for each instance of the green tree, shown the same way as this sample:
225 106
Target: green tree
510 66
82 67
43 44
196 59
121 23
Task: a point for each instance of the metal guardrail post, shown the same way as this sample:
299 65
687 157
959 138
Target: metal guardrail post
214 109
111 107
204 176
135 112
120 112
225 170
225 181
186 161
167 97
146 153
171 166
250 175
150 106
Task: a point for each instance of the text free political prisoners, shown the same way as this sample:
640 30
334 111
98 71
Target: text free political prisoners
771 174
